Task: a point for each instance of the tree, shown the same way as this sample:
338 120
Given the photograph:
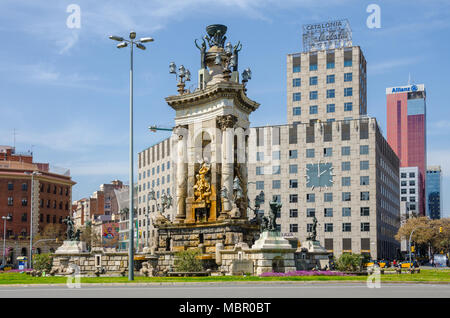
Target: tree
188 261
426 232
42 262
51 231
90 236
349 262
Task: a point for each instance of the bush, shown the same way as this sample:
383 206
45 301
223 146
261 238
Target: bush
187 261
42 262
349 262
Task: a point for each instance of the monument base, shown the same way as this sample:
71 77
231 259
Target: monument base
312 255
72 247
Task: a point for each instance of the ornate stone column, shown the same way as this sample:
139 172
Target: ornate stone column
226 124
181 174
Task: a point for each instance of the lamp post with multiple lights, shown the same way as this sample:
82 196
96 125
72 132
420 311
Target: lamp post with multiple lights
124 43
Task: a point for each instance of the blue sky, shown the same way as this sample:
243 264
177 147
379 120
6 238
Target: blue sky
65 90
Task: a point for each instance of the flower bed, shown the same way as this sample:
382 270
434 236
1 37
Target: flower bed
304 273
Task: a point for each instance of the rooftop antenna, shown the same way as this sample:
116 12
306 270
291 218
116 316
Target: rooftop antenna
14 138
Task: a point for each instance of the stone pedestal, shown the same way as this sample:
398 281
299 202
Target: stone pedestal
310 255
72 247
273 253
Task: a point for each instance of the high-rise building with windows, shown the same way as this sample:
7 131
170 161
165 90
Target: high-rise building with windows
406 130
434 187
410 181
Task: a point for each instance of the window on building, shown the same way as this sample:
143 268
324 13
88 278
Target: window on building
293 184
310 153
346 182
328 197
403 175
296 82
313 95
10 186
313 109
346 244
364 180
345 151
412 174
346 227
296 111
293 198
313 67
276 184
293 228
346 196
293 213
348 91
330 65
330 108
259 171
310 197
348 107
296 97
24 186
403 191
24 202
260 156
330 79
346 211
364 130
364 195
310 134
328 152
313 80
346 165
365 226
348 77
293 168
276 155
412 191
364 150
365 211
328 228
412 182
347 63
10 201
293 154
259 185
330 93
364 165
328 212
276 169
345 131
311 212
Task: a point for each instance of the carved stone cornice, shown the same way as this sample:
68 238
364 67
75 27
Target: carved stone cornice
226 121
229 90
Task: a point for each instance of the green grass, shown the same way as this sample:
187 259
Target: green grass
424 276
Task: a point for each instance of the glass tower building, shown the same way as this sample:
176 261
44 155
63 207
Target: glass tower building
434 184
406 130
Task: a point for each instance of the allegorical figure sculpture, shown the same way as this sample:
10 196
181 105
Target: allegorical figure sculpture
275 208
236 50
202 53
69 232
313 235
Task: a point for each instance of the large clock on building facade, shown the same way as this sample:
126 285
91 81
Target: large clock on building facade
319 175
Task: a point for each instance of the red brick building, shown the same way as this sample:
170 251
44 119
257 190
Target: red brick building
52 195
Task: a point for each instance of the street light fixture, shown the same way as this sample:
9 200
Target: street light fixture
131 210
183 75
4 218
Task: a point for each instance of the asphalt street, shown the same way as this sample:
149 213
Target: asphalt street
231 290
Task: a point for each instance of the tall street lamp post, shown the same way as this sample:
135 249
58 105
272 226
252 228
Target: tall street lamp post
4 218
139 45
34 173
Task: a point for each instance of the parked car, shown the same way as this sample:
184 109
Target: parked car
6 267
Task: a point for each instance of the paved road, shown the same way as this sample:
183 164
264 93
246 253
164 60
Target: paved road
232 290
